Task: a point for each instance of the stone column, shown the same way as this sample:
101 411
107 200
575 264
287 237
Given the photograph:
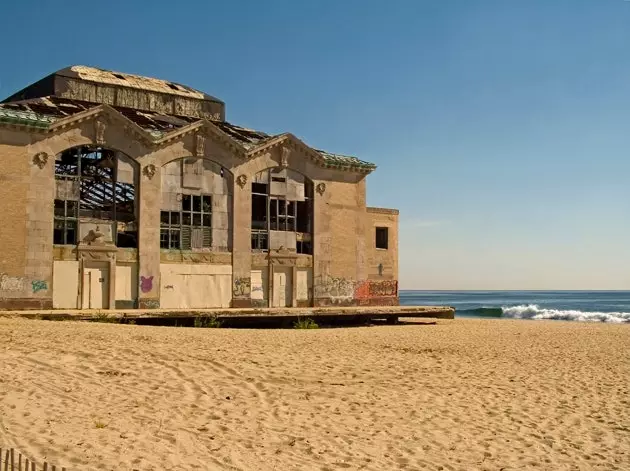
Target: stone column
150 198
322 244
241 242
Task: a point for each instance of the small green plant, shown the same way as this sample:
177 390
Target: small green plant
99 424
305 324
207 322
106 318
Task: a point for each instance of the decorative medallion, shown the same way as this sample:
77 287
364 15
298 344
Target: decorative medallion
40 159
284 161
149 171
321 188
200 145
241 180
99 131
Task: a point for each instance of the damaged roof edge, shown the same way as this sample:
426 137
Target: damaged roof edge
43 121
82 72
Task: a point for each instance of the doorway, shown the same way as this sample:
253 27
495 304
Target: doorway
96 286
282 286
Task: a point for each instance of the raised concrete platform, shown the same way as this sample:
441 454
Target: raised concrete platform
385 312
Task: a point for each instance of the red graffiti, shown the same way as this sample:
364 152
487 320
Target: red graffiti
384 288
375 289
362 290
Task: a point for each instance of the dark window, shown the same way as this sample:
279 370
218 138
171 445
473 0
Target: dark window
190 227
88 186
260 240
281 213
65 226
382 238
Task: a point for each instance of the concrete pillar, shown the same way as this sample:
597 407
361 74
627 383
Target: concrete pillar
322 242
149 195
241 242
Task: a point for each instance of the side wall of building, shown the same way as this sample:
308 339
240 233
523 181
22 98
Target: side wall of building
382 284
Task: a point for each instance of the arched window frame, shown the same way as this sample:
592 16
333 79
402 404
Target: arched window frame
89 188
278 212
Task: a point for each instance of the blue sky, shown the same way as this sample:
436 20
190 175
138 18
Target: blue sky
500 127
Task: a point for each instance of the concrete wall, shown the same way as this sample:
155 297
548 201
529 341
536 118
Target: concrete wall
342 264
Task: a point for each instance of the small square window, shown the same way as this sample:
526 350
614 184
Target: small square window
382 238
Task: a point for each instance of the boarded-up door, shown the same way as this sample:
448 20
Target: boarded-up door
282 287
96 287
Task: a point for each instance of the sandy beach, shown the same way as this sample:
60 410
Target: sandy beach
458 395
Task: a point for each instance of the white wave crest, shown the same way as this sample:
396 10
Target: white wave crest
532 311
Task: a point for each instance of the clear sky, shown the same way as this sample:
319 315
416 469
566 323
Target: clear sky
501 128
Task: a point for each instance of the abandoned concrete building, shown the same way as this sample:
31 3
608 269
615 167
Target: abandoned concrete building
119 191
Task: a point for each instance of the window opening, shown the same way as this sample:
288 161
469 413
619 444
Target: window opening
382 238
190 227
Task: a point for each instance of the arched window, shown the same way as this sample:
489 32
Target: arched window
95 187
195 210
282 211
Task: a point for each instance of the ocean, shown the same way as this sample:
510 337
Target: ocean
594 306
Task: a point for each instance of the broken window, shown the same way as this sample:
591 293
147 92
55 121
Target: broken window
382 238
282 211
190 227
95 186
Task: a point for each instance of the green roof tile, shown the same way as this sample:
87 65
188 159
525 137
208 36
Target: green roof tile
338 160
25 118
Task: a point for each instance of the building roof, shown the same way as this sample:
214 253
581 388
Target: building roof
109 77
44 111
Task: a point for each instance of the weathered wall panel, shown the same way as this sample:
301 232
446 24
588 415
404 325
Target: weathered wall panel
186 286
126 284
65 284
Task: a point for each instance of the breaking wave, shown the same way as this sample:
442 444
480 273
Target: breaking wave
532 311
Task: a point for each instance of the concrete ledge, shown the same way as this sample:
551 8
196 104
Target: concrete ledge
374 312
15 304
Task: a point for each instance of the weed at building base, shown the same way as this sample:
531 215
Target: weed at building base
207 322
307 323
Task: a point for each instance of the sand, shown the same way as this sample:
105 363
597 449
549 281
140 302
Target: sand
459 395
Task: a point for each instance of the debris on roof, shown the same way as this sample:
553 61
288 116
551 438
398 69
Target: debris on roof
41 112
92 74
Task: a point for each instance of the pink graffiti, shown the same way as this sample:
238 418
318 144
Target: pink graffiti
146 283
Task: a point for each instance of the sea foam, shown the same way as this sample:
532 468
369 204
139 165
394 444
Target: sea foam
532 311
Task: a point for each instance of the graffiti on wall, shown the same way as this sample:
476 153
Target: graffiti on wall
242 287
383 288
12 283
146 283
341 289
39 285
149 303
333 287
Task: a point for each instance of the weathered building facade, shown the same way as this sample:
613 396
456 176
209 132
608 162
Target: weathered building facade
121 191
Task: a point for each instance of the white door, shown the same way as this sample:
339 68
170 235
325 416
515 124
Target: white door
96 287
282 287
